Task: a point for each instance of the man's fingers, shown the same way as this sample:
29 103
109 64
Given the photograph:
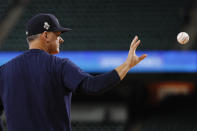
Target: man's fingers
134 41
142 57
136 44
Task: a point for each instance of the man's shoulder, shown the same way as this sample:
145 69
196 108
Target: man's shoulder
59 60
11 60
1 67
28 55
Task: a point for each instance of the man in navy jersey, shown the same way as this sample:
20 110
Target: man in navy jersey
36 87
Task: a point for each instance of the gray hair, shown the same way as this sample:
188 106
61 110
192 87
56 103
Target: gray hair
32 37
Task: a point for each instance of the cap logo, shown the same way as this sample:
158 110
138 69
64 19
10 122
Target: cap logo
46 25
26 32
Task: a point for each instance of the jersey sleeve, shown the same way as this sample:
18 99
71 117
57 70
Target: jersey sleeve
100 83
72 75
76 80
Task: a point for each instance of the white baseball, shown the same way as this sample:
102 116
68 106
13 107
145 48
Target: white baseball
182 37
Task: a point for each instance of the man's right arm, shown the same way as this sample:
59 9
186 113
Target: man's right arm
77 80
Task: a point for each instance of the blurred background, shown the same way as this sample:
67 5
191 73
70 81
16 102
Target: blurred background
159 94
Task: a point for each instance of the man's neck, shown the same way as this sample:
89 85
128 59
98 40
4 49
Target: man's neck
37 45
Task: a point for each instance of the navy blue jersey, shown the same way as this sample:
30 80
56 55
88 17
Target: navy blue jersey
36 90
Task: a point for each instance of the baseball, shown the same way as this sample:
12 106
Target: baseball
182 37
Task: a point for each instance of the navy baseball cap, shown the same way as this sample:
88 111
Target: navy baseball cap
44 22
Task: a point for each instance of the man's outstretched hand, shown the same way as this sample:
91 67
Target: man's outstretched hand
131 60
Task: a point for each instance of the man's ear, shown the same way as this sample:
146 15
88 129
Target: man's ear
44 36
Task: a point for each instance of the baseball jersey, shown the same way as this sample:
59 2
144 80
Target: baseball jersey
36 90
